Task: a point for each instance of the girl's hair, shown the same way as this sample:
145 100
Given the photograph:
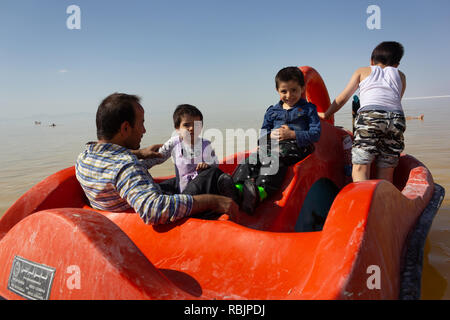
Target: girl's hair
184 109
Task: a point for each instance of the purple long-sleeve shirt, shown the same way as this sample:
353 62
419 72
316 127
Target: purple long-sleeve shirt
186 158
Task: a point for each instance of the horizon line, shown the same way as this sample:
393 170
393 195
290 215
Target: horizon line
429 97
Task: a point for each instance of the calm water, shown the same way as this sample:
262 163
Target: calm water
32 152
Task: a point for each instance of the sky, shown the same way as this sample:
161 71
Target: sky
219 55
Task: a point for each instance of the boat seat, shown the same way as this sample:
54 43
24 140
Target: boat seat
317 203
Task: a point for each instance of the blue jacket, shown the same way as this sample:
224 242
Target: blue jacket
302 118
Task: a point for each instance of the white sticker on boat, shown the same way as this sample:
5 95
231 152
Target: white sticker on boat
30 280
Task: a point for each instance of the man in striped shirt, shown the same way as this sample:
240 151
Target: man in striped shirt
114 179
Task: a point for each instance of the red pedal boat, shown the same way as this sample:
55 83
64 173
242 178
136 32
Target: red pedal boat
321 237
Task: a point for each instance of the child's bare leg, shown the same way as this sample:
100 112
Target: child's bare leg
361 172
386 174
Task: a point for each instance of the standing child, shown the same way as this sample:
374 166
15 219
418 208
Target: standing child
196 165
289 130
380 122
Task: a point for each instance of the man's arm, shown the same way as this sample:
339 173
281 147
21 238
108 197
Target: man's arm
216 203
137 187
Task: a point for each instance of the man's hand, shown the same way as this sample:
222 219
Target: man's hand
216 203
282 133
149 152
202 166
227 206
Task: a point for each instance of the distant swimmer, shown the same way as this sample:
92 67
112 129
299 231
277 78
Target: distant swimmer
52 125
37 122
414 118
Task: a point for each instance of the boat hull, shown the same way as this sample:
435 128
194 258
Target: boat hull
320 237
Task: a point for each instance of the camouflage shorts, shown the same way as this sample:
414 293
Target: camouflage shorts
379 137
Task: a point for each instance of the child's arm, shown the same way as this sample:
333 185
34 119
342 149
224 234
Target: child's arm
267 125
307 137
202 166
149 152
209 158
303 137
343 97
165 151
283 133
403 77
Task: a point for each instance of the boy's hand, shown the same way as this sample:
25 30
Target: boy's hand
324 115
202 166
283 133
149 152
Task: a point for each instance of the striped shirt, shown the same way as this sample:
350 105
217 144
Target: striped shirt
113 179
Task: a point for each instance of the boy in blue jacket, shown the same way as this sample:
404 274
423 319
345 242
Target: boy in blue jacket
288 132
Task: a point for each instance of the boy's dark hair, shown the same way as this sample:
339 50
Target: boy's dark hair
288 74
388 53
182 110
114 110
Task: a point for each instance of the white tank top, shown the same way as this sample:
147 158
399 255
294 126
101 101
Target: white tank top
381 90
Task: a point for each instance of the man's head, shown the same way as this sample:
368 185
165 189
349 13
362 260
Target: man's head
120 120
188 121
290 85
388 53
